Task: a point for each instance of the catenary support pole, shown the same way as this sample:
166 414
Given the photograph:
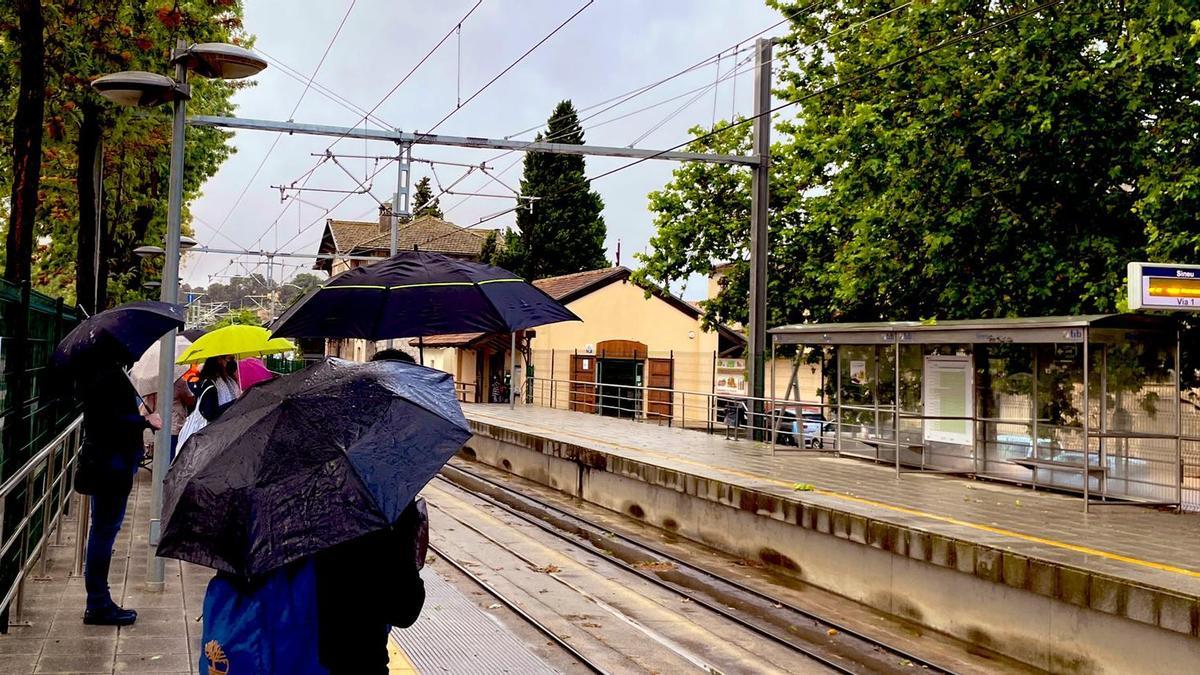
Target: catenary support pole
156 567
759 196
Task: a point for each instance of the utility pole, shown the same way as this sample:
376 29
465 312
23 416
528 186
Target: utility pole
759 196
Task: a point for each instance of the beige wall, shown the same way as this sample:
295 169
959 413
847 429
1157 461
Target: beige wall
621 311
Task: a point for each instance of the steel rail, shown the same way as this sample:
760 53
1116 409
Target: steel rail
566 646
584 524
654 579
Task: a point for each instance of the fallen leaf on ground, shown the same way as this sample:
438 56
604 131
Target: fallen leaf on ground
548 569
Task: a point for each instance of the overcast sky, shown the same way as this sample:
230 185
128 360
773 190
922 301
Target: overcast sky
612 47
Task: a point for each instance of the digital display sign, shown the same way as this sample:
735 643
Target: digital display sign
1164 286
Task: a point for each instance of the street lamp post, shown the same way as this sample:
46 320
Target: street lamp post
136 88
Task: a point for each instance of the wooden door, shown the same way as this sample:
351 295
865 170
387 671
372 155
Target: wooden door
583 383
660 375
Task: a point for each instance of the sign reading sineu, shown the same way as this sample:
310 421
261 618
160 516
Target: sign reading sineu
1164 286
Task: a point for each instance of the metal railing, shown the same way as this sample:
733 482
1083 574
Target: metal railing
45 482
1127 466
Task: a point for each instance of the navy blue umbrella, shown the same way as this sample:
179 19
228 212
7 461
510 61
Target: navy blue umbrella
308 461
116 336
416 293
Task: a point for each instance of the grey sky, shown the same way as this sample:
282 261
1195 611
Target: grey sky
612 47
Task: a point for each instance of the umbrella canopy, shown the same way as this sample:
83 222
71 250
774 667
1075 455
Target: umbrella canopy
415 293
193 334
237 340
119 335
144 373
252 372
308 461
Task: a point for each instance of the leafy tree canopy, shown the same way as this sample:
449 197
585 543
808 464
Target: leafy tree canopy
83 41
1014 173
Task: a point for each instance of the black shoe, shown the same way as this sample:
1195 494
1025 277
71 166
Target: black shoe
109 616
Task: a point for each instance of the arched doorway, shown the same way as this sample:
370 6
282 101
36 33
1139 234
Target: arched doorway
620 368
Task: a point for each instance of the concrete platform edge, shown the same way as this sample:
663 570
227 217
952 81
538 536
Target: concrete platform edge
1073 585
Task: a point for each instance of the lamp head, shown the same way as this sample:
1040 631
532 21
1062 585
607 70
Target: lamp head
220 60
137 88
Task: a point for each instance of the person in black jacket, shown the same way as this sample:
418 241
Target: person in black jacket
112 427
367 585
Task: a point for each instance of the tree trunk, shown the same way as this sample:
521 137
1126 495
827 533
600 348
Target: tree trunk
27 142
87 179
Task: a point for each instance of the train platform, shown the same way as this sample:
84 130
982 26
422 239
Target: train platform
48 634
1034 552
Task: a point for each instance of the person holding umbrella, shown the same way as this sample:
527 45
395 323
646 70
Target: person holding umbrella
144 376
93 356
337 456
219 351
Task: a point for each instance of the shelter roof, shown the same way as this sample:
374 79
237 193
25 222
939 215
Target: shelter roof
1010 329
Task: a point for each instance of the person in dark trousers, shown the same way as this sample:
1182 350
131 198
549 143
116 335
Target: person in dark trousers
112 450
367 585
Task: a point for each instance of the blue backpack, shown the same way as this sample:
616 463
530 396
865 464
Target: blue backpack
267 626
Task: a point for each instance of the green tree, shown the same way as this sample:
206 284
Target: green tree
246 317
130 147
488 251
423 203
298 286
561 229
1013 173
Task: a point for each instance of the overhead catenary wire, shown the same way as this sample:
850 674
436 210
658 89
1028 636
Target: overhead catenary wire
507 68
841 83
275 142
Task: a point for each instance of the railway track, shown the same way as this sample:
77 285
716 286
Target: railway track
809 635
516 609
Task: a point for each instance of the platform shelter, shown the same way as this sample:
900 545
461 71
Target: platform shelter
1100 394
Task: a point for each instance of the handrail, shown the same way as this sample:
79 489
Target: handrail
57 458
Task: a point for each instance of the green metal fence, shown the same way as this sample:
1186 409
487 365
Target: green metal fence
32 415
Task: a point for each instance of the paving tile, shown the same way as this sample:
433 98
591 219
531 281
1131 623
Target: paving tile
135 644
153 663
11 645
18 664
84 646
75 663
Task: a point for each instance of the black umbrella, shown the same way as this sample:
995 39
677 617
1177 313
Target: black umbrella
116 336
308 461
193 334
416 293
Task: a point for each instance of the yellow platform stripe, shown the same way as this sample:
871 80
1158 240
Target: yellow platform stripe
1086 550
398 662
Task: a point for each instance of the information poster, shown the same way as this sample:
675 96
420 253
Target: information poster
949 392
731 377
858 372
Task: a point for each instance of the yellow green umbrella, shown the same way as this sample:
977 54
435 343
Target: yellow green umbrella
237 340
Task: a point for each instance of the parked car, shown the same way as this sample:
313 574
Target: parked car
810 429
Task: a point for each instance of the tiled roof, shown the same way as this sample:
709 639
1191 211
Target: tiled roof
349 234
569 285
449 340
428 234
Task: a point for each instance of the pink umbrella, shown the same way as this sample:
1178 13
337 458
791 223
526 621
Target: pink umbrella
251 372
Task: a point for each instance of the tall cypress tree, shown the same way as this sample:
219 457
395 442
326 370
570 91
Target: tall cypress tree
423 202
563 231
